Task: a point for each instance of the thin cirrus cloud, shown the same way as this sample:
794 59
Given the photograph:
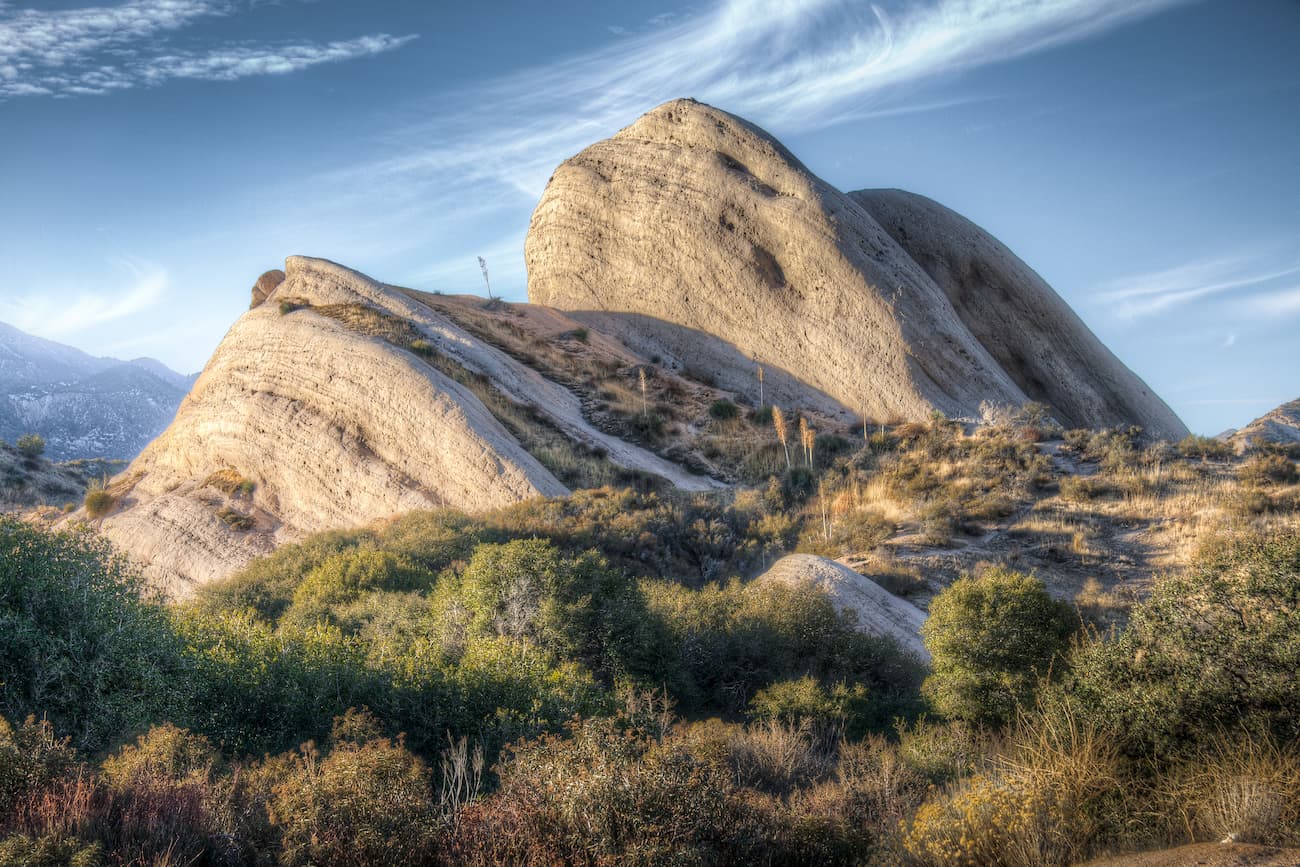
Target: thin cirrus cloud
98 50
54 315
791 64
1250 277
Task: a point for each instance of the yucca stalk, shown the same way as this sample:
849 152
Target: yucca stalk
760 387
644 405
782 433
482 264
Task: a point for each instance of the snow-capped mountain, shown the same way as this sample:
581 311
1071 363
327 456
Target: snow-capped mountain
84 407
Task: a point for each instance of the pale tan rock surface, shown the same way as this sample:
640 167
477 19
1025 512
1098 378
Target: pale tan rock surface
697 237
879 611
334 429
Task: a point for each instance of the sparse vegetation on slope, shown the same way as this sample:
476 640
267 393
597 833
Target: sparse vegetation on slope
634 699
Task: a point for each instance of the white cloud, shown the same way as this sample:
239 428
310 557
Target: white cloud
96 50
234 63
1283 303
1139 296
59 314
791 65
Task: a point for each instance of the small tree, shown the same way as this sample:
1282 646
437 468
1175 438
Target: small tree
644 385
991 639
31 445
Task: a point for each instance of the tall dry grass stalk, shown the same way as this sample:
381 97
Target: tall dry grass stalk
782 433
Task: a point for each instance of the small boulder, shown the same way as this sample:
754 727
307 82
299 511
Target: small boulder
265 285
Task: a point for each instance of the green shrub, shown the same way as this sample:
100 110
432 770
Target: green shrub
723 410
1206 448
165 751
1268 469
31 446
31 757
267 585
423 348
1212 651
347 575
53 850
805 700
991 639
78 643
735 640
576 607
99 503
287 307
1085 489
255 689
369 800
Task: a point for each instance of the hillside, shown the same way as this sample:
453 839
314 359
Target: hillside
337 400
1280 426
84 407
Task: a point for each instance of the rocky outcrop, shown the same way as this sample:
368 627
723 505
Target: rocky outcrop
265 285
299 424
342 405
1280 425
879 612
697 237
1032 334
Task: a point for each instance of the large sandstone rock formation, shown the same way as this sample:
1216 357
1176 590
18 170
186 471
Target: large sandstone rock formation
332 415
879 612
699 238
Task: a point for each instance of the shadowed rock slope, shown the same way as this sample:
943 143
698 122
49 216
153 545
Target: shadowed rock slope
698 237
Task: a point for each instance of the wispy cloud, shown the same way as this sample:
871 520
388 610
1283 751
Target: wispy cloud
1277 304
1244 274
59 314
98 50
790 65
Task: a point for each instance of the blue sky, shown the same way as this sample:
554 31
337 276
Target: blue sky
157 155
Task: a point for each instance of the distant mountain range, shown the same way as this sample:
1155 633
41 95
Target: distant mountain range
84 407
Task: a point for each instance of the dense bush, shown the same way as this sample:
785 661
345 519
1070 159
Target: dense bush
723 410
369 800
31 445
99 503
992 638
1206 448
1269 469
78 643
734 640
1211 651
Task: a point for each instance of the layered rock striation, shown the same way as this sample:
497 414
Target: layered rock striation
697 237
